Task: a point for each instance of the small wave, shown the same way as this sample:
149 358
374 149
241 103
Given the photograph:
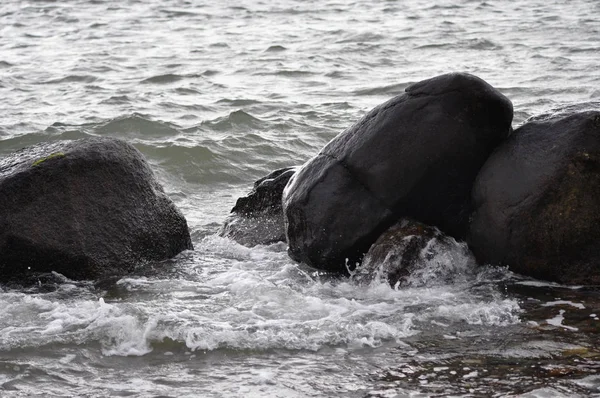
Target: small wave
480 44
557 111
234 121
117 100
391 89
338 105
210 72
193 164
336 74
195 109
178 153
179 13
97 25
163 79
138 126
72 79
290 73
443 7
5 64
238 102
474 44
561 61
433 45
582 49
365 37
173 77
52 133
276 48
217 45
186 91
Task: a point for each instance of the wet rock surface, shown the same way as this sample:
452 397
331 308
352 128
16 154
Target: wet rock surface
415 156
85 209
537 200
413 254
257 219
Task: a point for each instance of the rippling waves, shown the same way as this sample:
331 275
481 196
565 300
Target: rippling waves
217 95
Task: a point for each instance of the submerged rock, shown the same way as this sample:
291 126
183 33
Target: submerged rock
413 254
257 219
86 209
415 156
537 200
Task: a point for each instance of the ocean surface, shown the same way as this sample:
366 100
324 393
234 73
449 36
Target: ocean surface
218 94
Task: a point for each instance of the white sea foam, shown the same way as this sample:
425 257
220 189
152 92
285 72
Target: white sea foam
558 321
537 283
259 300
242 89
491 313
564 302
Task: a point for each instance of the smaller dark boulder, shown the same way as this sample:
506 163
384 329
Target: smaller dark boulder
537 199
86 209
411 254
257 219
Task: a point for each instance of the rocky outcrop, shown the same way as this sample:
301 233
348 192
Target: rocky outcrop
537 200
415 156
86 209
257 219
412 254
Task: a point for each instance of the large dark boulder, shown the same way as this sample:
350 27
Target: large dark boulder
86 209
537 200
414 156
412 254
257 218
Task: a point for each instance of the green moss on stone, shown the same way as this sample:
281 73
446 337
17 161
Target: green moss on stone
52 156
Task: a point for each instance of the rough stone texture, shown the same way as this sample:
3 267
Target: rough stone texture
411 254
415 156
257 219
537 200
86 209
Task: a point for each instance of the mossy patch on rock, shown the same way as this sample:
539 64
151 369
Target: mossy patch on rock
52 156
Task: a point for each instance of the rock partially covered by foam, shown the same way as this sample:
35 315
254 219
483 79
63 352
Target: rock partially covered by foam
411 254
415 156
86 209
537 199
257 218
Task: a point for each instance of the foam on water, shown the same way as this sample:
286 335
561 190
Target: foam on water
252 302
217 96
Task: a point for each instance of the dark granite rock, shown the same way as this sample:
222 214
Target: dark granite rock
411 254
257 219
86 209
537 200
414 156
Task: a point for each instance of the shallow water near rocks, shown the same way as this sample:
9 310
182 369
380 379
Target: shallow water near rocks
217 96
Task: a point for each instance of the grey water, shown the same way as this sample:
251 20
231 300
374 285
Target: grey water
217 95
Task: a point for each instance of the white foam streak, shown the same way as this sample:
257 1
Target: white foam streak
255 300
558 321
564 302
490 313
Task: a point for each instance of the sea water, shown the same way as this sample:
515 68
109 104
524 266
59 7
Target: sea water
217 95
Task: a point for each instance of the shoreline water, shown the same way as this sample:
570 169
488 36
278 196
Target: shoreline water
216 96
